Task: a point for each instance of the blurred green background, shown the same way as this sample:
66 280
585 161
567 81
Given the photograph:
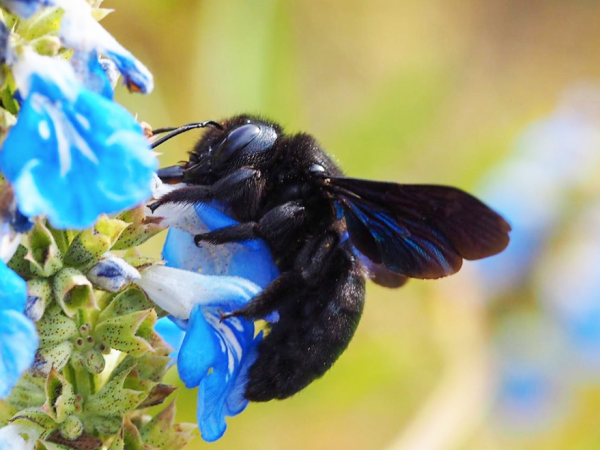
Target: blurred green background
425 91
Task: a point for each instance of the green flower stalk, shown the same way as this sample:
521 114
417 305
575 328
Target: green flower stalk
69 228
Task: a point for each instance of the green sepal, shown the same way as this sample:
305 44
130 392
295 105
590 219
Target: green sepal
52 357
45 259
54 329
117 397
46 45
41 290
7 120
140 229
128 333
87 248
72 428
141 262
132 299
162 432
35 416
19 264
73 291
45 22
60 397
107 425
158 395
29 392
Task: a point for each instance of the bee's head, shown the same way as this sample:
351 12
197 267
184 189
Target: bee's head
242 141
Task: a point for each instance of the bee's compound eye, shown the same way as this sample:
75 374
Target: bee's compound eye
236 141
250 138
317 168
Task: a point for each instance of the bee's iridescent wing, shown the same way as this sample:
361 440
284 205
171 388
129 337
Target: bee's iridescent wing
419 231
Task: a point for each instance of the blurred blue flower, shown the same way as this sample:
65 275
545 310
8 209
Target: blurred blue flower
25 8
531 189
213 355
18 336
81 32
544 189
73 154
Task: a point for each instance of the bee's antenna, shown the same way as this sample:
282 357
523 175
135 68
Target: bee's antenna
174 131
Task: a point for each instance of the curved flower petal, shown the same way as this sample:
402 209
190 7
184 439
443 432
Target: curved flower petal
214 355
80 31
18 344
13 290
85 155
250 260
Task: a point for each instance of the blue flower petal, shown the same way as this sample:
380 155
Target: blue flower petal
216 355
18 344
199 350
251 260
236 342
85 156
13 290
25 8
171 333
92 74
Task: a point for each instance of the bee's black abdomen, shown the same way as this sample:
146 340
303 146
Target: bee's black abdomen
315 327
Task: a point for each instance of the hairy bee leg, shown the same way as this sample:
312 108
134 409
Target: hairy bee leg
317 258
275 226
312 262
235 233
226 189
269 299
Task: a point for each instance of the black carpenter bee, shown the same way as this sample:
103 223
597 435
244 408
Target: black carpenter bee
327 233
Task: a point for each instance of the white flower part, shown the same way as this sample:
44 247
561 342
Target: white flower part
80 30
113 274
9 241
57 71
17 437
178 291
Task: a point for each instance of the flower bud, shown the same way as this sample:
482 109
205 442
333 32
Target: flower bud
112 274
71 428
73 291
52 357
94 361
39 294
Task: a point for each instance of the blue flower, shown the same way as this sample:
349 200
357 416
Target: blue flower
214 355
25 8
18 337
81 32
73 154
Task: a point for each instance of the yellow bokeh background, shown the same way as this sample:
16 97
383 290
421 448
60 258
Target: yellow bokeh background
425 91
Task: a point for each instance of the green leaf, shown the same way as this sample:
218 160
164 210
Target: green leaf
45 259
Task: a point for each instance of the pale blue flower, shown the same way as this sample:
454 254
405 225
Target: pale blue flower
73 154
18 337
81 32
214 355
25 8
